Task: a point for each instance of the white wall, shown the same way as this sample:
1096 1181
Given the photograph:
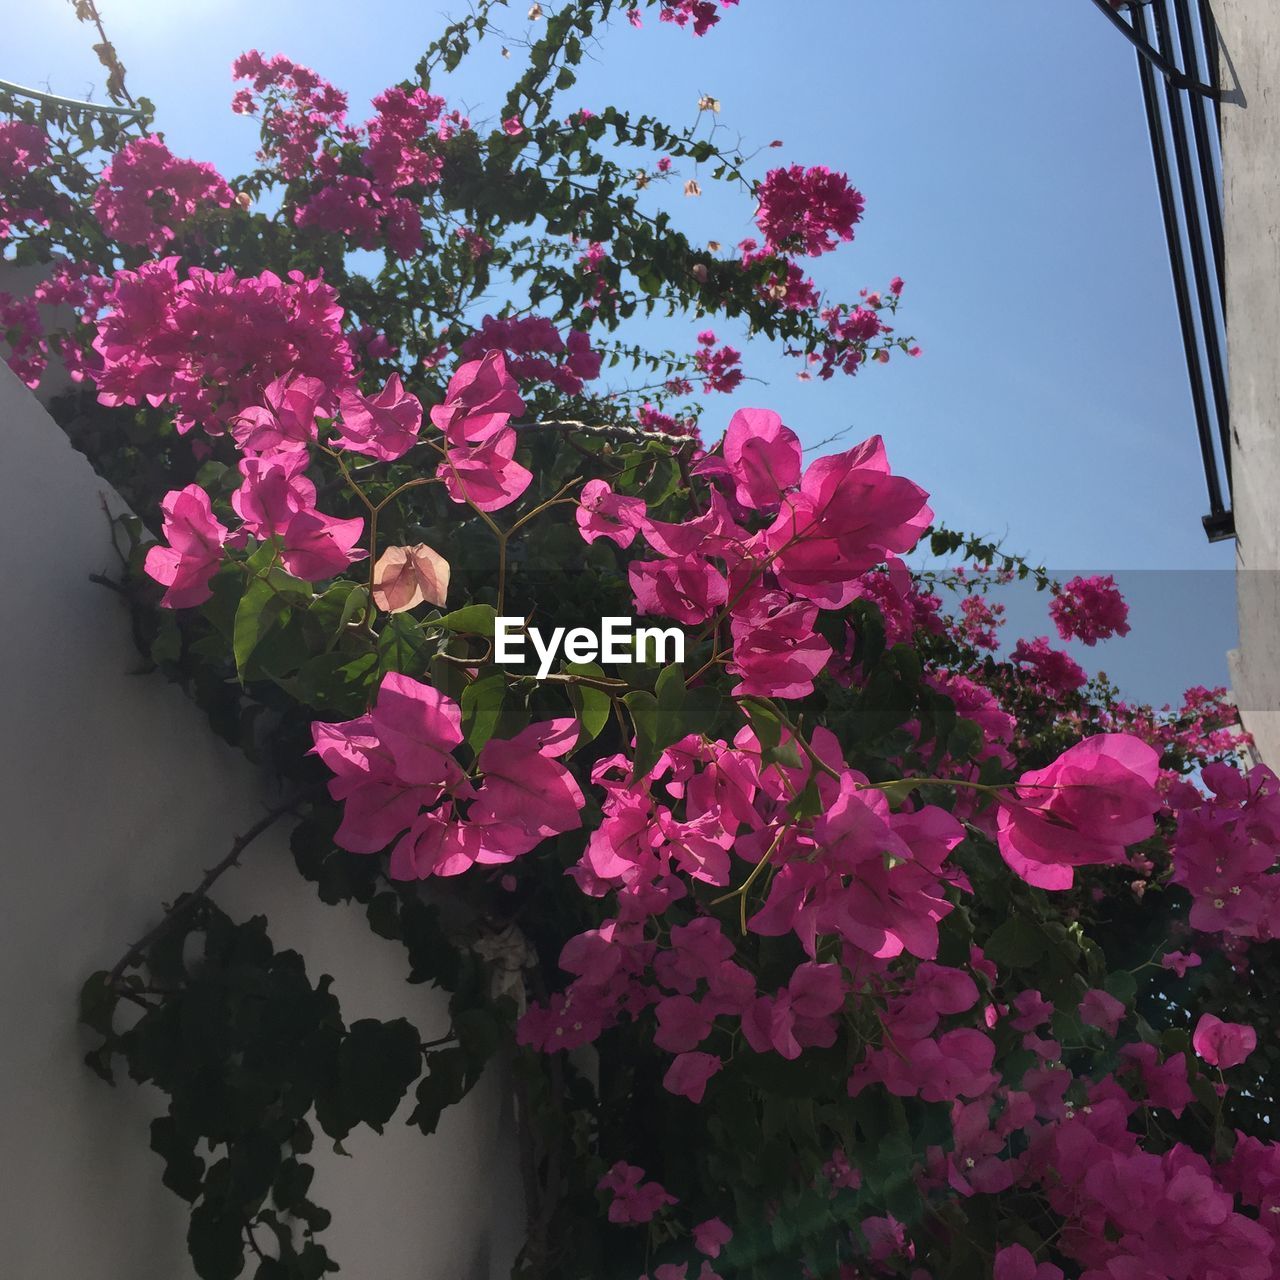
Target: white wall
114 797
1250 70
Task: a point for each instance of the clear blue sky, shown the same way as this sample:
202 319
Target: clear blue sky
1002 151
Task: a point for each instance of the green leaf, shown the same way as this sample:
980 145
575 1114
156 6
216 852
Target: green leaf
481 706
592 705
897 792
473 619
259 609
670 692
643 707
766 722
1018 943
357 602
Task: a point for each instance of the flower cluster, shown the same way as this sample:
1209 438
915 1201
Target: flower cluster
529 343
1089 610
207 344
807 210
24 149
398 780
23 333
297 109
147 194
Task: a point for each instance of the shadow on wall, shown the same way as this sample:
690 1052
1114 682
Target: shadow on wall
116 798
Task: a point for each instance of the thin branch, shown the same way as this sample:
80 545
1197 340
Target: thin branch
185 903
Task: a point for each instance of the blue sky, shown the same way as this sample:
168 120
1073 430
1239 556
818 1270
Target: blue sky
1001 148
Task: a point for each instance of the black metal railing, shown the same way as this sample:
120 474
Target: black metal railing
1177 48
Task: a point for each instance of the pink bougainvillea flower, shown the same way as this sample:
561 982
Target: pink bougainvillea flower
392 763
406 577
486 475
1102 1010
799 1016
634 1200
273 492
195 537
1089 610
683 1023
480 400
807 210
602 513
147 193
384 426
711 1236
1087 807
1223 1044
512 126
1014 1262
764 457
689 1073
776 649
527 794
688 589
286 420
1058 672
1179 962
849 514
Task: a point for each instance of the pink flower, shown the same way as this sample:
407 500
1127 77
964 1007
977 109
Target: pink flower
849 514
1089 610
195 538
711 1236
720 369
1058 672
486 475
273 492
896 285
1088 806
1101 1010
634 1200
209 344
285 421
147 193
512 126
807 210
479 401
688 589
776 649
1179 962
683 1024
763 456
384 426
527 795
799 1016
277 501
1013 1262
317 546
602 513
1223 1044
688 1074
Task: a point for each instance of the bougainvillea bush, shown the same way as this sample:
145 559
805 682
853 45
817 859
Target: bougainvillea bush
846 947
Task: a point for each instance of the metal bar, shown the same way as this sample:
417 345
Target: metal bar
1213 55
1204 148
1195 237
1168 209
75 104
1155 57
